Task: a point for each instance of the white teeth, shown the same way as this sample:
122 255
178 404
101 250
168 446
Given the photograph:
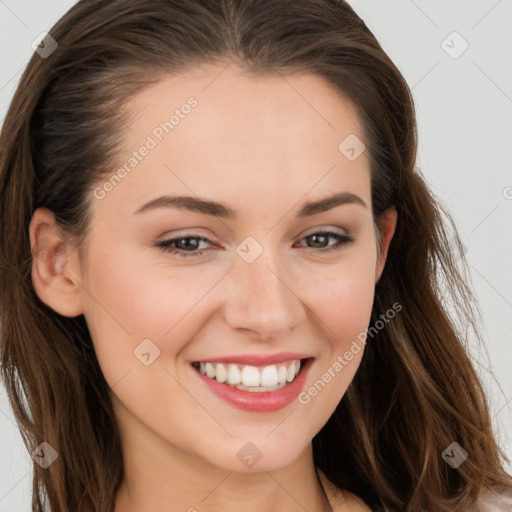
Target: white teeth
251 378
221 374
234 375
269 376
210 370
281 374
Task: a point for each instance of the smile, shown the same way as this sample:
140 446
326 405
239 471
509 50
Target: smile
255 388
251 378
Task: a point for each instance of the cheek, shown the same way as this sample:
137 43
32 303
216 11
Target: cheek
131 298
342 301
344 308
138 298
342 296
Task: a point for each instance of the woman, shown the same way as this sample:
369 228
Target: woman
173 338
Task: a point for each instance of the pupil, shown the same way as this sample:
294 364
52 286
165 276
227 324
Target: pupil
187 243
316 237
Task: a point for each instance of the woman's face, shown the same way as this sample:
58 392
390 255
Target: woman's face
264 284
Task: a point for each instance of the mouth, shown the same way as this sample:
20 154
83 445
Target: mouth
255 379
255 387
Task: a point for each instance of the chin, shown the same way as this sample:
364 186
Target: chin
256 454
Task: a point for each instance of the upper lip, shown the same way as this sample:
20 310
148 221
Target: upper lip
256 359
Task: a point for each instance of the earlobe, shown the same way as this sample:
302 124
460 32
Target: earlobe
53 272
387 223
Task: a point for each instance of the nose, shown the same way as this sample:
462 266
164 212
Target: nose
263 298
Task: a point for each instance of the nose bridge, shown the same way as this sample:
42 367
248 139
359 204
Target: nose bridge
264 299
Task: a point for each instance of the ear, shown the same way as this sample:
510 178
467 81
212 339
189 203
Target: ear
387 223
55 271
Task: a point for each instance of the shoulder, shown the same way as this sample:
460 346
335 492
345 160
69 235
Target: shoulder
342 500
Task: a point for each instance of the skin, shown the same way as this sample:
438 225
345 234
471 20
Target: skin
247 141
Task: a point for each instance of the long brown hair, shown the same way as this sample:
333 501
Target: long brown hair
416 390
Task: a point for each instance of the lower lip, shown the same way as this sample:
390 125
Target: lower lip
254 401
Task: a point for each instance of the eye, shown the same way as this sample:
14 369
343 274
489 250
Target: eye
173 245
324 236
182 247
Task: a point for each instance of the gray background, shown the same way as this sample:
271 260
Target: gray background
464 109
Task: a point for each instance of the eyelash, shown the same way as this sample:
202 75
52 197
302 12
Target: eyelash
165 246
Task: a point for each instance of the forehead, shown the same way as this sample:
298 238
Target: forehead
247 108
245 139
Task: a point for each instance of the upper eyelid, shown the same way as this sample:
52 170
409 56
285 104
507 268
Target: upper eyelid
192 234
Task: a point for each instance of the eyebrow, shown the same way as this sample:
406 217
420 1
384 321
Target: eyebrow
195 204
